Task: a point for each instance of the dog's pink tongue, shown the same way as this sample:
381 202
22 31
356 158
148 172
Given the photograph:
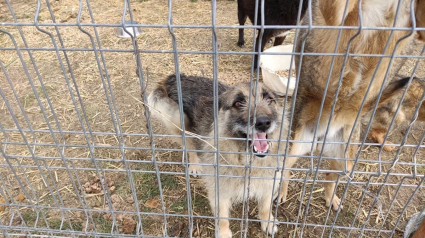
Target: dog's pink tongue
260 142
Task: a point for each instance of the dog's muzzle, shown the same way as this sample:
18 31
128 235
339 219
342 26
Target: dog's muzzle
258 139
259 144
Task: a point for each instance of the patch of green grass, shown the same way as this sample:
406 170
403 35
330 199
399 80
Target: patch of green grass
27 16
147 183
179 206
29 217
169 182
348 216
201 205
421 169
103 225
56 224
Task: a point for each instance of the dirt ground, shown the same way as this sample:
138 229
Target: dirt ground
61 98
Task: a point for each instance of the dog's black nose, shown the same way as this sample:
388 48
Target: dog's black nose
263 123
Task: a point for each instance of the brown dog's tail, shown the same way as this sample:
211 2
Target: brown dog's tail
395 87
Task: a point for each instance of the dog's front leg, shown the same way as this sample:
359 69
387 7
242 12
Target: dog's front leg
337 151
302 133
194 167
223 220
265 214
330 198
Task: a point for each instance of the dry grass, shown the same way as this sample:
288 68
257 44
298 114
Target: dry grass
46 181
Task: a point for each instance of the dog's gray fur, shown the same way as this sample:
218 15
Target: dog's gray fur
232 123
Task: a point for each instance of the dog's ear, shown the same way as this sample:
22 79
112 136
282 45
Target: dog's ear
420 17
272 94
223 102
267 92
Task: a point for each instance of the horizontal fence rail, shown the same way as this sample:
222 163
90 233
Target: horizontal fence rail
83 152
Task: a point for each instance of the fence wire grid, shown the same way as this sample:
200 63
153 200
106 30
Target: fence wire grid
81 156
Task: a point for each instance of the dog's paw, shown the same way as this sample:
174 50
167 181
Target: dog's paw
282 197
194 170
335 203
241 43
268 227
388 147
225 233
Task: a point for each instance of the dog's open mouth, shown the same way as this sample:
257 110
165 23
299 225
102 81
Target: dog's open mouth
259 144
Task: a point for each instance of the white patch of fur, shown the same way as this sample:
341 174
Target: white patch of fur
356 83
335 149
374 12
283 34
333 129
166 110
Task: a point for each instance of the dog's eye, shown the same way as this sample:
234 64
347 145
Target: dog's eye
237 104
269 99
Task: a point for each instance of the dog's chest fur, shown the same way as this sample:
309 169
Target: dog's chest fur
238 167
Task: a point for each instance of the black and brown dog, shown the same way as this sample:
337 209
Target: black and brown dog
277 12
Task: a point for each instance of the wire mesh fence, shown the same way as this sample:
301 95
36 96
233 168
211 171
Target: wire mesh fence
82 156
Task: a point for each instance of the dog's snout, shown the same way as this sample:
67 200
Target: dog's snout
263 123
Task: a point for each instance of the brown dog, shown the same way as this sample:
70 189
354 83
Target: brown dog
356 75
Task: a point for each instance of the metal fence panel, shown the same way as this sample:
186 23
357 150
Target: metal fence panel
82 156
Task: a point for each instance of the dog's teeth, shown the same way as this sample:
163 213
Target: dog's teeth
261 151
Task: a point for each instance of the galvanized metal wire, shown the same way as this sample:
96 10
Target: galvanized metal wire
37 154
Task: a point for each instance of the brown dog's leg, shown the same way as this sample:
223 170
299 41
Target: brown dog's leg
381 122
337 151
301 134
265 213
378 137
335 201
